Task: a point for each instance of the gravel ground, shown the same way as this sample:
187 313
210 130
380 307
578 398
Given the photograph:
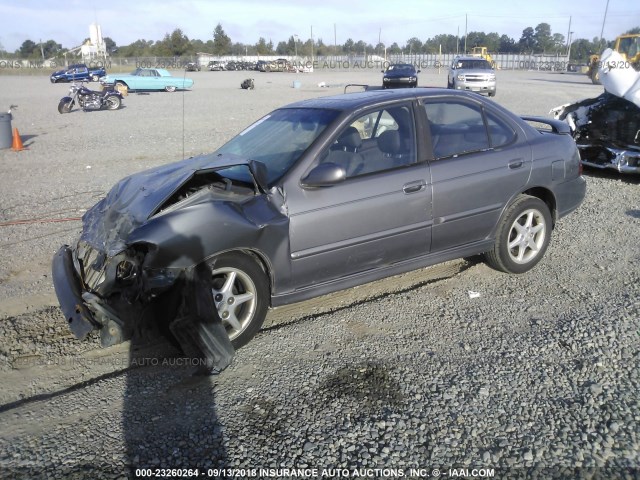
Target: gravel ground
537 377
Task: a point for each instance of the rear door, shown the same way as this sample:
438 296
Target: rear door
480 162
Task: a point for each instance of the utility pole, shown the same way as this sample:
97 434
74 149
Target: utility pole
603 21
335 41
569 40
465 33
311 44
569 49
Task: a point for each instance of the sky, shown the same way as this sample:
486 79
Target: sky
125 21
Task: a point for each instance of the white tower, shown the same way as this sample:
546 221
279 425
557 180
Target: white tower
96 47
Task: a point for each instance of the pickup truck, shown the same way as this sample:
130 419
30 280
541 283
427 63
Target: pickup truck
77 72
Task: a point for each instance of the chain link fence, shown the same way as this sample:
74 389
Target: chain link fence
507 61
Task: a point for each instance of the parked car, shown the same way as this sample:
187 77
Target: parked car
147 79
473 74
192 67
263 66
77 72
358 187
400 75
216 66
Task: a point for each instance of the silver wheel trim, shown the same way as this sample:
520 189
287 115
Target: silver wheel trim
235 309
526 236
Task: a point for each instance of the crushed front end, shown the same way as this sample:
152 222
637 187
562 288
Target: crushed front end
110 293
135 273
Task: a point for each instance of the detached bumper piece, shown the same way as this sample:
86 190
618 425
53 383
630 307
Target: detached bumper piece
69 292
199 330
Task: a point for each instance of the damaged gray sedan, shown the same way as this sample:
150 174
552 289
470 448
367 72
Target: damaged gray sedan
318 196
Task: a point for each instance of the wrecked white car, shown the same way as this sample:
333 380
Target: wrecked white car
607 128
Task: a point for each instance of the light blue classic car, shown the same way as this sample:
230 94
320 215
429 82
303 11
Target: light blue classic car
147 79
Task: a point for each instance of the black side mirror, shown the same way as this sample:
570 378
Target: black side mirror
324 175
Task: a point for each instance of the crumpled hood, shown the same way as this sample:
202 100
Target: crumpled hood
135 198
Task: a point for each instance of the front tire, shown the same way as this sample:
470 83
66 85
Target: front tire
170 88
113 102
65 107
241 294
522 237
95 78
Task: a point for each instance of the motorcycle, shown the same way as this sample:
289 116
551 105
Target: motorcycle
109 99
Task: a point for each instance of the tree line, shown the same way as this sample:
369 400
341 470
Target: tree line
176 44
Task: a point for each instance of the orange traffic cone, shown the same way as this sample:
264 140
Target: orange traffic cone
17 145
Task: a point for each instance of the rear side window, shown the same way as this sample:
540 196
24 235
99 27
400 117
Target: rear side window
500 134
456 128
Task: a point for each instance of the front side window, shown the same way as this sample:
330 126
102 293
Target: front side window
377 141
277 140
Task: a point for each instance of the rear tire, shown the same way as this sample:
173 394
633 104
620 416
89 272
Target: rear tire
241 295
522 237
113 102
95 78
170 88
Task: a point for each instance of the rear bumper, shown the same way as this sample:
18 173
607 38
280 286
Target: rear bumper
570 195
69 292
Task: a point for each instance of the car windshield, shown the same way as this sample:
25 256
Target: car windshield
474 65
277 140
400 68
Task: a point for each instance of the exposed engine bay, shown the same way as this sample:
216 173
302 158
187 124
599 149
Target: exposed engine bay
607 128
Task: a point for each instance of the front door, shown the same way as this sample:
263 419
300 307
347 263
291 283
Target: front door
378 216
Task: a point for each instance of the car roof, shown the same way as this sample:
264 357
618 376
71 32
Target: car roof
470 57
353 101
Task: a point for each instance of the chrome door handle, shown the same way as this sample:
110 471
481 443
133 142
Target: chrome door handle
516 164
413 187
